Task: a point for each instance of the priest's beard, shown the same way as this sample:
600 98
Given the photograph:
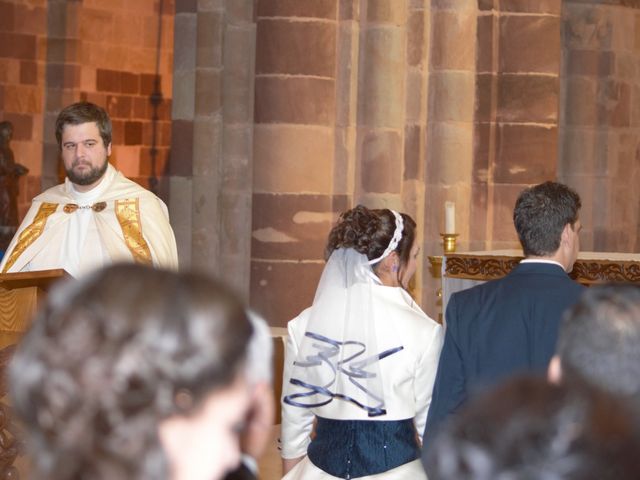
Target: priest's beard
88 176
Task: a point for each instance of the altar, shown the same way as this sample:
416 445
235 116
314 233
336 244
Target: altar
461 270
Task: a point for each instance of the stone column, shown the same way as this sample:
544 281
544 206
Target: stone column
600 120
516 112
450 128
211 162
295 145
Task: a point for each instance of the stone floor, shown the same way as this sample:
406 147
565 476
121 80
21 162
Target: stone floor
270 465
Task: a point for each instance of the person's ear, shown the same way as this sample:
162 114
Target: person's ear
554 372
394 262
565 235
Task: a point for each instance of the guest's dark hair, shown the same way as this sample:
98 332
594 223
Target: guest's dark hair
370 231
599 339
111 356
528 428
540 215
83 112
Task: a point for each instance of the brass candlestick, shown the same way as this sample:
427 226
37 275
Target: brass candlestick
449 242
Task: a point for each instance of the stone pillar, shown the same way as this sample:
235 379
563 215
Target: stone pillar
211 158
516 112
449 141
296 193
600 118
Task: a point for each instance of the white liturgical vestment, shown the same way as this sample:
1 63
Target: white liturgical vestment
117 221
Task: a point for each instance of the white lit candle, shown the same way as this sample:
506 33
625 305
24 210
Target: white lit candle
449 217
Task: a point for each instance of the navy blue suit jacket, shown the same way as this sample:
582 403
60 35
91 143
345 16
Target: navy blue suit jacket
498 329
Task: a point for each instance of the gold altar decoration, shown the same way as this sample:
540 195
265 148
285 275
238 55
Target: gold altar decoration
590 267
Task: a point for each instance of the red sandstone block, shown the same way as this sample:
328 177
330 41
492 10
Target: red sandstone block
486 97
447 51
209 41
298 8
60 99
293 226
148 83
577 111
486 51
22 125
381 167
7 22
181 162
296 48
415 37
107 80
294 100
63 75
23 98
348 10
525 154
132 133
503 201
150 133
478 211
552 7
271 280
117 131
9 70
30 18
614 103
186 6
528 98
28 72
384 11
164 131
208 92
140 107
413 152
17 45
146 164
599 63
98 99
123 106
484 135
168 7
164 109
538 36
95 25
129 83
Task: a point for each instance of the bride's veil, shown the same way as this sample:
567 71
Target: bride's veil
338 358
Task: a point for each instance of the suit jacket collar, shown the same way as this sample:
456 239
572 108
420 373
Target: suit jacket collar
538 267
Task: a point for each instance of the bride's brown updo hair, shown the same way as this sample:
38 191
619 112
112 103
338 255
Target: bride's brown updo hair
370 231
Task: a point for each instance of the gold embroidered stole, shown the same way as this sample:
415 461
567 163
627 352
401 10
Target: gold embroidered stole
31 233
128 215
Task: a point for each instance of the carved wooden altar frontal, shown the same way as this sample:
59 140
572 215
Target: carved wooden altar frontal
586 270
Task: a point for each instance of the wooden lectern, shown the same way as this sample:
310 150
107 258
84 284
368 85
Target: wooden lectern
21 294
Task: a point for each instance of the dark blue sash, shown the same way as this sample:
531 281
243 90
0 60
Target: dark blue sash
357 448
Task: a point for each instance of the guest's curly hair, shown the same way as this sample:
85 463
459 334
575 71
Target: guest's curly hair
370 231
111 356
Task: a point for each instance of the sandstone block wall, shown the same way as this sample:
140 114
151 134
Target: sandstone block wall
55 52
599 142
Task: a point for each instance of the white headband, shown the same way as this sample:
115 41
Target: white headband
395 240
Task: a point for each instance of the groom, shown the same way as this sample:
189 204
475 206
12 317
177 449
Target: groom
510 325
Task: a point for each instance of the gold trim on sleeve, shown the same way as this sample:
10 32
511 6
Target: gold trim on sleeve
31 233
128 214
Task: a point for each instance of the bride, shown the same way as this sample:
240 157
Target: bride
360 363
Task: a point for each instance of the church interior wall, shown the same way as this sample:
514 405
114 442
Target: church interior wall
281 114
